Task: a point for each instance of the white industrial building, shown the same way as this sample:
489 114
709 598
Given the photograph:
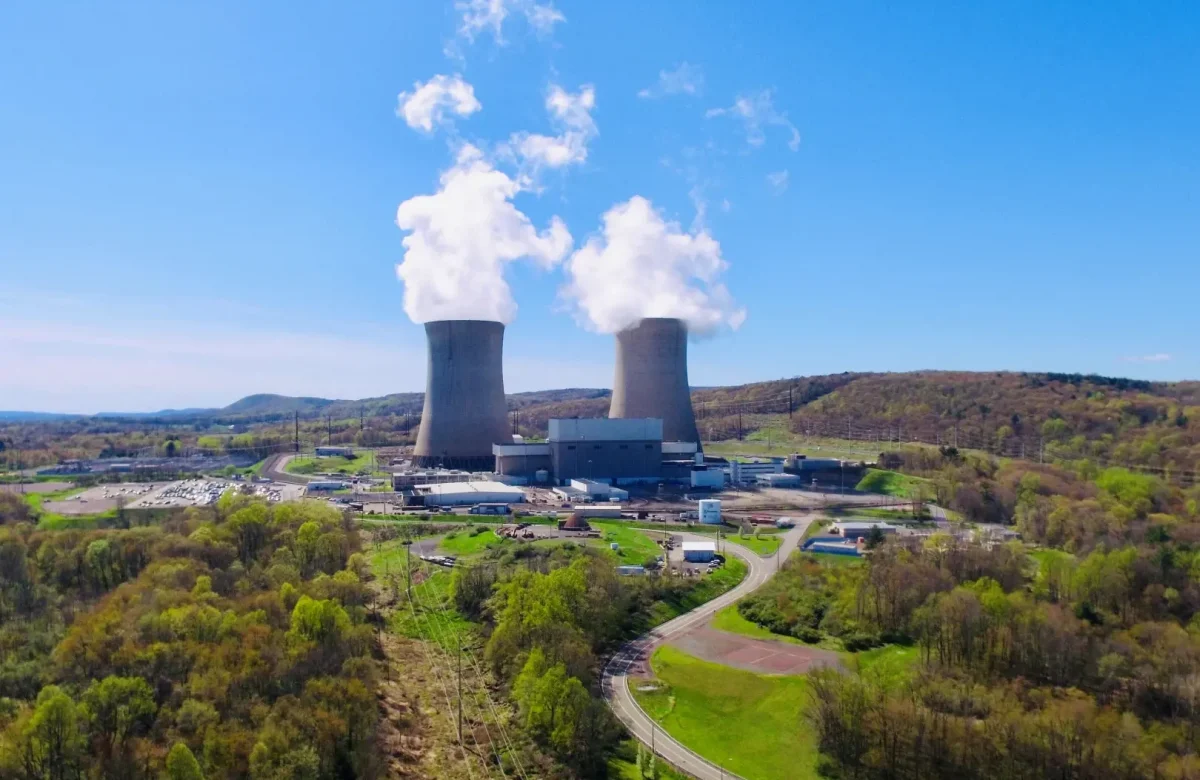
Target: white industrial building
403 480
779 480
469 493
328 451
856 529
580 489
746 472
699 552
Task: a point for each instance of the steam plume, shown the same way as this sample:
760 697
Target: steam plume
460 239
641 265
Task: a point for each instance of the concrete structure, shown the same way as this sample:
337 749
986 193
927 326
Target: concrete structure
606 448
699 552
465 411
470 493
403 480
651 377
710 511
327 451
522 460
710 477
855 529
779 480
742 473
831 545
325 484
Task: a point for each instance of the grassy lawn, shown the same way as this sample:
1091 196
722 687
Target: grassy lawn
364 461
471 541
635 546
890 483
764 544
749 723
729 619
893 665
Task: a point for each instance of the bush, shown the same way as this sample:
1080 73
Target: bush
810 635
860 641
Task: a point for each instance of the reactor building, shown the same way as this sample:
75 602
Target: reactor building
651 378
465 411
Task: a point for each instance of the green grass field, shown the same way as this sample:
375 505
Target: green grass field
635 546
764 544
364 461
892 483
893 665
470 542
748 723
729 619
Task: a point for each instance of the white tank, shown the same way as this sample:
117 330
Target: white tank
710 511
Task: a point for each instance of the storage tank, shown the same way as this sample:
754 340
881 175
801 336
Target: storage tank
465 412
710 511
651 377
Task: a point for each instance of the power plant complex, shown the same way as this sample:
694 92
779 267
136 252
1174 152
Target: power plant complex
650 434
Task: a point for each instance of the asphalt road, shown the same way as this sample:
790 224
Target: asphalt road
636 654
274 469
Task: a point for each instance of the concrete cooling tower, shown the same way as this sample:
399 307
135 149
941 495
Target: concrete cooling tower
465 412
652 377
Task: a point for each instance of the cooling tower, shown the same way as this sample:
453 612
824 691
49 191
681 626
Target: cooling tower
652 377
465 412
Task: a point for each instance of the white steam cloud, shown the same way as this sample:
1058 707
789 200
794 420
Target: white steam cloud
641 265
572 115
428 103
462 237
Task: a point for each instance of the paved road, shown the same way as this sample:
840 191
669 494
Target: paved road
635 656
274 469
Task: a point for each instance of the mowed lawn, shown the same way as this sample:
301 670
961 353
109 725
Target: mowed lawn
764 544
635 546
751 724
467 542
332 465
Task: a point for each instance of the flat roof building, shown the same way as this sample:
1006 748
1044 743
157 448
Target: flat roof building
604 448
699 552
857 529
470 493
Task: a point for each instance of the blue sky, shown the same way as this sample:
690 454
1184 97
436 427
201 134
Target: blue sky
198 200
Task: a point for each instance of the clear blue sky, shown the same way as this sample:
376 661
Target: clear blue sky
198 199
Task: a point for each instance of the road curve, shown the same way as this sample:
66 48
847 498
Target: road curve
636 655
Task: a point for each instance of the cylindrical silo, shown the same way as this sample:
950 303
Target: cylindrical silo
465 411
652 378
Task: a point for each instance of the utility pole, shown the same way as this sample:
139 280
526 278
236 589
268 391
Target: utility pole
328 429
296 434
408 567
460 739
362 418
790 407
1042 451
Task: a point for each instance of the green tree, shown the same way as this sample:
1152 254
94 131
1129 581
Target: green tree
182 765
52 742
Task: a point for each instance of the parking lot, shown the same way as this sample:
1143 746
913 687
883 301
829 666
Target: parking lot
163 495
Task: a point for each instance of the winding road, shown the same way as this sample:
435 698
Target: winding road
634 656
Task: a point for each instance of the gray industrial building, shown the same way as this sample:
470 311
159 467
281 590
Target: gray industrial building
651 378
465 410
627 449
613 451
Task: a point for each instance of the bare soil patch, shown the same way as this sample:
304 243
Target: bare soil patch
753 655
